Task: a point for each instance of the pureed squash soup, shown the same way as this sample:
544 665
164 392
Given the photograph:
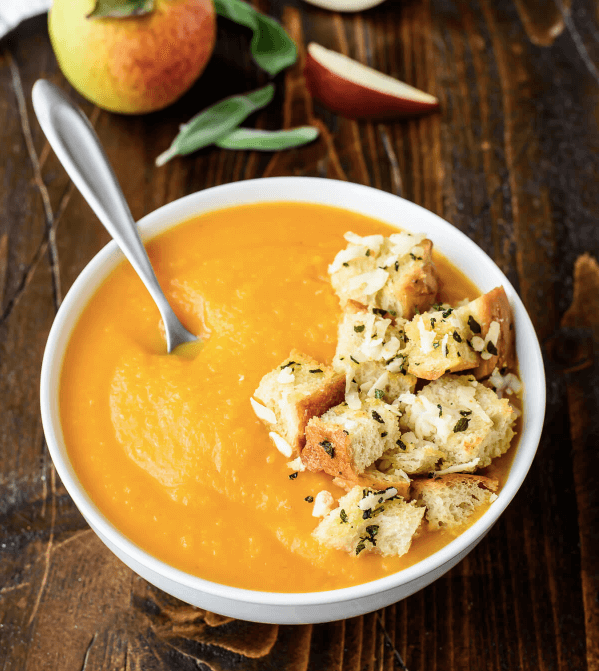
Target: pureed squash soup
168 447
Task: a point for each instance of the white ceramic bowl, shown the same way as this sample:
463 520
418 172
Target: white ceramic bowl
286 608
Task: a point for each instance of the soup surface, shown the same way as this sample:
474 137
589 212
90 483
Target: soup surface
168 447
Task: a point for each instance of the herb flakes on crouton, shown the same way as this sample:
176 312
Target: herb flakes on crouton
394 274
473 427
289 396
450 500
370 520
475 336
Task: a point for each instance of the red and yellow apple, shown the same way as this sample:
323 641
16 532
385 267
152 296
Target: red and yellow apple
138 63
357 91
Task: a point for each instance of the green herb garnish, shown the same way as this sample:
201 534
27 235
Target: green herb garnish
491 348
377 417
474 325
457 337
268 140
271 47
293 475
328 448
358 328
461 425
343 516
215 122
440 409
379 393
309 499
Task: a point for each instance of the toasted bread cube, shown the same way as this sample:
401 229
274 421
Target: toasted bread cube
367 352
450 500
464 419
478 335
294 392
364 335
493 313
345 442
394 274
437 344
373 380
411 455
367 520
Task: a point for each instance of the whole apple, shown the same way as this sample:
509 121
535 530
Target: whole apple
135 64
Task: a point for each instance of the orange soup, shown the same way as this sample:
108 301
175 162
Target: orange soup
168 446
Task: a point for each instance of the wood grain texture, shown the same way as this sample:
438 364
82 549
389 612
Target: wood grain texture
512 160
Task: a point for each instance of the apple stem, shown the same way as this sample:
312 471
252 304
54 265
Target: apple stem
165 156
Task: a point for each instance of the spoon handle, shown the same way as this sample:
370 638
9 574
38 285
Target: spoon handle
79 150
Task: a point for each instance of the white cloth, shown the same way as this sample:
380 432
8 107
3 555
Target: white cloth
12 12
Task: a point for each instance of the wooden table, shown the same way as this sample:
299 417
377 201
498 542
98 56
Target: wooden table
512 160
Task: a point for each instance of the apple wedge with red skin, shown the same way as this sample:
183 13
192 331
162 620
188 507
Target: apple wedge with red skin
357 91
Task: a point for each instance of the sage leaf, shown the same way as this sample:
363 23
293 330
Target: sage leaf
267 140
120 9
271 47
215 122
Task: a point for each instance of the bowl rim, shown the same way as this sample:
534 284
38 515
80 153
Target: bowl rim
314 190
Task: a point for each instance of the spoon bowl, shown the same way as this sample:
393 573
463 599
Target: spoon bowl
78 148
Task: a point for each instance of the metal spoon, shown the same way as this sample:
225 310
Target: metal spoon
78 148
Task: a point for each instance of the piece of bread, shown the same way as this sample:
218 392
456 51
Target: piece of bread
368 352
437 344
492 308
367 520
394 274
450 500
478 335
463 418
411 455
345 442
295 391
364 335
375 380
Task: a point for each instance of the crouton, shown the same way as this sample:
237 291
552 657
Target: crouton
294 392
374 380
492 312
411 455
345 442
437 344
367 520
394 274
450 500
464 419
367 352
478 335
364 335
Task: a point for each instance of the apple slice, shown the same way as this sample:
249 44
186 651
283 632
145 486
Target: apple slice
358 91
345 5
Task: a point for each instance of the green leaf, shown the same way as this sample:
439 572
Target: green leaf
215 122
119 9
272 48
267 140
